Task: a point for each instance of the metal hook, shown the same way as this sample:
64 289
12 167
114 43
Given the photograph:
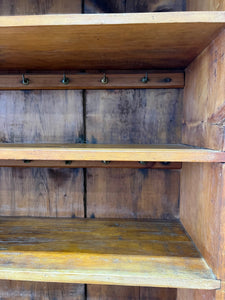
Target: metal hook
144 163
104 79
106 162
25 81
167 79
65 79
145 79
26 161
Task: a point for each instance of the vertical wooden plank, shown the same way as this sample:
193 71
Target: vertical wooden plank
41 116
11 290
205 5
158 294
27 7
132 116
107 292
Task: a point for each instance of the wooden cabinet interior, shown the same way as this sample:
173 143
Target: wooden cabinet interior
150 186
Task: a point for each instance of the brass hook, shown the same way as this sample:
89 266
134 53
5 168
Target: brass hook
145 79
65 79
106 162
104 79
25 81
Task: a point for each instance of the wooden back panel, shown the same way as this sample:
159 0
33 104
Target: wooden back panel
132 116
37 116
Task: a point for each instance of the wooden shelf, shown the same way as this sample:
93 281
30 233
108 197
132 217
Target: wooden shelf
106 41
120 252
92 152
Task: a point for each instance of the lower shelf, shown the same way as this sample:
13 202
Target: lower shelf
118 252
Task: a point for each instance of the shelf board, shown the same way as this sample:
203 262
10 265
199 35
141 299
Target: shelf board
120 252
106 41
93 152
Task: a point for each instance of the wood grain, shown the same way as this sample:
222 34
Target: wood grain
209 5
93 152
204 95
41 116
202 211
26 290
152 253
132 116
116 80
27 7
162 40
121 193
17 126
91 164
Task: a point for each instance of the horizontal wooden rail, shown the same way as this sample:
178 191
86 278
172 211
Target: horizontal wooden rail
115 80
91 164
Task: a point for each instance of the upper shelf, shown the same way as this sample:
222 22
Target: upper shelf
90 152
106 41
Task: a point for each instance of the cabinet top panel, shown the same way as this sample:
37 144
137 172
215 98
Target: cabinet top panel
106 41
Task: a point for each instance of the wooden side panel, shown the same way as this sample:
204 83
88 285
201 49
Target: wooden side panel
202 211
205 4
184 294
204 94
202 208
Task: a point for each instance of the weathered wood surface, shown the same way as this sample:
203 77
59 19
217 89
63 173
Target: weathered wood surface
162 40
209 5
132 116
202 211
136 253
184 294
91 164
25 290
27 7
204 94
87 80
41 116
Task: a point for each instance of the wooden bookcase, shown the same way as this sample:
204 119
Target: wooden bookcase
112 150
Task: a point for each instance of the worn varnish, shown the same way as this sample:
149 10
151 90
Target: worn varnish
137 253
162 40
